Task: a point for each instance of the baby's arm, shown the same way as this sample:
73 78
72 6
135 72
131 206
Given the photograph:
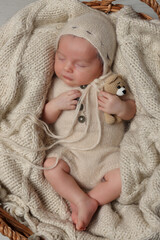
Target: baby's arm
65 101
112 104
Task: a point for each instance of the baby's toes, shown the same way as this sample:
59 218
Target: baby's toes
74 218
80 226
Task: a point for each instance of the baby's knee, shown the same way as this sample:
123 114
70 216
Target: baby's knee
63 165
113 177
49 163
52 164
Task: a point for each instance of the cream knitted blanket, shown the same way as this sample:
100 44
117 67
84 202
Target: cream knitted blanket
26 67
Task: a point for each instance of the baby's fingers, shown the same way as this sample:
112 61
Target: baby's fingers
74 93
74 102
76 97
105 94
72 107
101 99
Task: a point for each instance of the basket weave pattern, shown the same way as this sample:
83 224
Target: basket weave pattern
8 225
107 6
11 228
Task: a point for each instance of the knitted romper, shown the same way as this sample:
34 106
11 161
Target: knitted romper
84 140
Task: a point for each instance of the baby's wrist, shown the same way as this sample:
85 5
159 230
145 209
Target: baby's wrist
52 108
128 110
122 110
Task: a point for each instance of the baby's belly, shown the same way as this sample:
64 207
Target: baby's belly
88 140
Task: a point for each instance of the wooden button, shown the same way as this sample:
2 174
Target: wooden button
81 107
81 119
83 86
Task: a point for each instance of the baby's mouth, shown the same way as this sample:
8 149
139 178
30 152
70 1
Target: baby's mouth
66 77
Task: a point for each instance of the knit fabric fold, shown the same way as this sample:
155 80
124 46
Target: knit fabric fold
27 48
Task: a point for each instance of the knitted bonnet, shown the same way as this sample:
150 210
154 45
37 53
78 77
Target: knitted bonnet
98 30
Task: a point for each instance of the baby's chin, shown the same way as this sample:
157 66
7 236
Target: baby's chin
70 82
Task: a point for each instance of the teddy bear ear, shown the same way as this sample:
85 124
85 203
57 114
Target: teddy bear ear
120 77
112 78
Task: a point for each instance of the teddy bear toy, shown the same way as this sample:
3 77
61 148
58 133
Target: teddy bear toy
114 84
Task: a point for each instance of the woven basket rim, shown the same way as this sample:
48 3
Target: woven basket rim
11 228
107 6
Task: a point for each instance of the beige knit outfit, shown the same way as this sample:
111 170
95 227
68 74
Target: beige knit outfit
91 146
27 47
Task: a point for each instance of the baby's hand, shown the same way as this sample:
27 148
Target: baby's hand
110 103
67 100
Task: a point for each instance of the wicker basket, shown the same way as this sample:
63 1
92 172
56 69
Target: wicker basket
8 225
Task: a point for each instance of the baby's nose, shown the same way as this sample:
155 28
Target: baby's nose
68 67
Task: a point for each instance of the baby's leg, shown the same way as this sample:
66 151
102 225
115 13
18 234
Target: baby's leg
108 190
64 184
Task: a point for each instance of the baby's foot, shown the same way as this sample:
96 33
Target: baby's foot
86 209
74 213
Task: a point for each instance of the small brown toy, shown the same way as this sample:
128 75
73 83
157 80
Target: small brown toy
115 84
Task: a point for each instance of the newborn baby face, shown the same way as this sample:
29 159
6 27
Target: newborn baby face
76 61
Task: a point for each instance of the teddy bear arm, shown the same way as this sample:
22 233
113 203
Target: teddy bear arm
110 119
118 119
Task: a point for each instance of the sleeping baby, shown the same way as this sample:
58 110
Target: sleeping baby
86 155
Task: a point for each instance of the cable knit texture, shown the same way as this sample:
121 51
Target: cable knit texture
26 68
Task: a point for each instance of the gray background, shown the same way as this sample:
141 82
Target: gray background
9 7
